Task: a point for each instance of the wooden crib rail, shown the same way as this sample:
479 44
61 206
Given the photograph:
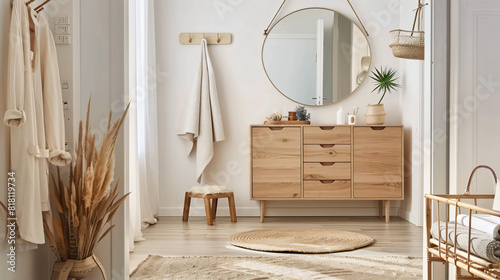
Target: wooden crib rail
439 251
455 200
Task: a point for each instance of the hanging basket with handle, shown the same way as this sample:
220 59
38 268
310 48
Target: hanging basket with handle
409 44
467 189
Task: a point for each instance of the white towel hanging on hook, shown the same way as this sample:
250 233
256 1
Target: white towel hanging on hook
201 123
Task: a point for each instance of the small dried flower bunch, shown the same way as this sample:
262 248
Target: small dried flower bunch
302 114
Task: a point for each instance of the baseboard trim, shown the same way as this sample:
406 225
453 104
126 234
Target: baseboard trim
282 211
410 217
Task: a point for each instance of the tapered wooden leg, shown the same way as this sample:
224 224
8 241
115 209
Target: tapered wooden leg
208 210
187 204
232 207
387 211
380 208
214 207
262 210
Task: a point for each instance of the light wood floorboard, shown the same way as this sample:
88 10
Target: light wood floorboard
172 237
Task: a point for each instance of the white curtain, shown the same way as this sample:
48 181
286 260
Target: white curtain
143 132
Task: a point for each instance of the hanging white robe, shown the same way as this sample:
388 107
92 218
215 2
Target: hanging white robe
20 117
52 96
26 102
48 97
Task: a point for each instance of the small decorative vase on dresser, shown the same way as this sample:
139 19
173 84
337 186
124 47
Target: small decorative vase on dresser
375 114
327 162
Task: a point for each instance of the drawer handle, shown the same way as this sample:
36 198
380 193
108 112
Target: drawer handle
377 127
327 181
276 128
327 146
327 127
327 163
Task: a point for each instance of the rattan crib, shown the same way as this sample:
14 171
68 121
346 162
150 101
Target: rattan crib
464 260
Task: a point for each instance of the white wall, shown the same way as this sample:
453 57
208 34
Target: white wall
246 96
95 81
102 77
411 72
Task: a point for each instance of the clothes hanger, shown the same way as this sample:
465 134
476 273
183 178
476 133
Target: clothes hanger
40 8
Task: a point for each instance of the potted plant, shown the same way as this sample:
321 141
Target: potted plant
302 114
85 204
385 81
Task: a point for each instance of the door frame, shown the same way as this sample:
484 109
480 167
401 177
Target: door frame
436 133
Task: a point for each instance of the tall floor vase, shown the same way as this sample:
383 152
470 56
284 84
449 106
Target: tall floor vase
78 269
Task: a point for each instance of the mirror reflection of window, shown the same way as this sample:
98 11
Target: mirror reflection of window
320 62
314 56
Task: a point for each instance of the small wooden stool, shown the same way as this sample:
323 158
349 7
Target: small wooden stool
209 193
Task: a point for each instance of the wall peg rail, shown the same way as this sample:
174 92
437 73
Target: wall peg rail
212 38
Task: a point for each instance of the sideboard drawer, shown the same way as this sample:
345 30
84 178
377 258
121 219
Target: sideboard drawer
327 153
327 170
327 189
327 135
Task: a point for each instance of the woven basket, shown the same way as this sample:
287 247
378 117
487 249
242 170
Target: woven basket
409 44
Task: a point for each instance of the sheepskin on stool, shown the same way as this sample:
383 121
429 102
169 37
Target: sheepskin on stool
208 189
210 195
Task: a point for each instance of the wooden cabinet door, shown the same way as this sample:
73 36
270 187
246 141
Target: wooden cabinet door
377 162
276 162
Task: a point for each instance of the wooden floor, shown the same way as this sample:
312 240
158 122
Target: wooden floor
172 237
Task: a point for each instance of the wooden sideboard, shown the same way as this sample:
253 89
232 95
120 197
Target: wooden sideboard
327 162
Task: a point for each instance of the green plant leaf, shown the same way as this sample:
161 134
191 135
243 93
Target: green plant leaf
384 80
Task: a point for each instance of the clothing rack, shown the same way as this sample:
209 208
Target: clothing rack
212 38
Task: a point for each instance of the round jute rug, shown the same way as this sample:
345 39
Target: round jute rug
300 240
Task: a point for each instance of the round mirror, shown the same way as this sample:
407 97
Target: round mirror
316 56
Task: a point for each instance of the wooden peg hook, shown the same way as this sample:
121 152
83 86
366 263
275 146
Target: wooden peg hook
211 38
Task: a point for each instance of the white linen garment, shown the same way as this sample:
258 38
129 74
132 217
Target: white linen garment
202 121
53 116
35 117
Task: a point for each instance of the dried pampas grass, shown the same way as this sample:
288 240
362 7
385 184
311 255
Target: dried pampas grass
86 205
